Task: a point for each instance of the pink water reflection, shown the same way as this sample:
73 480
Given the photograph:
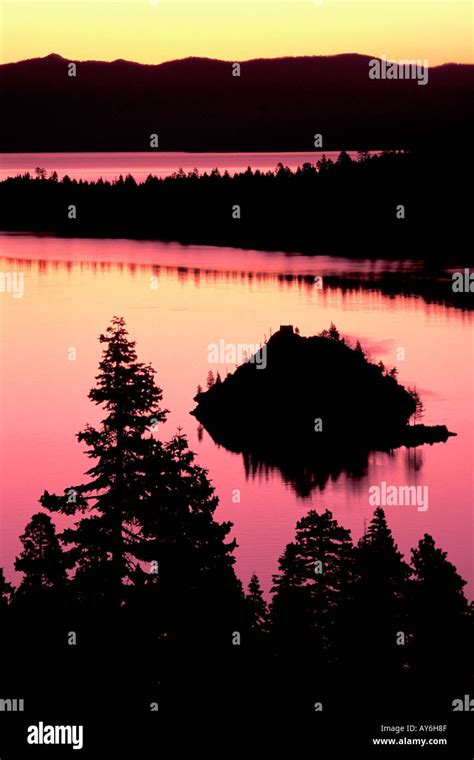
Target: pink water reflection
72 289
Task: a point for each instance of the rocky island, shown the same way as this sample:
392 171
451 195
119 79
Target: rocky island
314 405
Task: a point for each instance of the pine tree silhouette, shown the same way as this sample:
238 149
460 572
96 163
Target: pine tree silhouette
43 563
195 590
381 598
343 160
104 541
442 623
312 591
256 605
148 546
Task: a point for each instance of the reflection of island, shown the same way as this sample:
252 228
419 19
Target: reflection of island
312 408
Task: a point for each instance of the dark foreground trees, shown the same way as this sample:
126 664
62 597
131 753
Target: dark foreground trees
313 591
143 576
363 608
44 567
442 620
381 594
122 448
146 552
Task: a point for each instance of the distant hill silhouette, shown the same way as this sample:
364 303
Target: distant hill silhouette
196 104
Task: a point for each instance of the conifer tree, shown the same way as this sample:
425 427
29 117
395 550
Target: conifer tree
381 598
442 625
312 591
120 445
256 605
43 563
196 579
147 505
343 160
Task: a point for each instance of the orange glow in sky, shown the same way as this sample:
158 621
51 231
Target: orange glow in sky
152 31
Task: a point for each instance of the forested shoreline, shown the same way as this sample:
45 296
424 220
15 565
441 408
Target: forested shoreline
408 205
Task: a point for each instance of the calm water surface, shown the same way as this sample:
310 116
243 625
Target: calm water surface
72 288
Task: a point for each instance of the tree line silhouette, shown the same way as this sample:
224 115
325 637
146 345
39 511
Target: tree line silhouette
145 574
386 201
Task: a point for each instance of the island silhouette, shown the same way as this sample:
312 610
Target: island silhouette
312 407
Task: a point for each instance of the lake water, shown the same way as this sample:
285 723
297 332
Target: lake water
73 287
91 166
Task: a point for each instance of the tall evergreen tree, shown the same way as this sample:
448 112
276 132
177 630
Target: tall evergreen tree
195 579
442 624
256 605
43 563
148 538
312 591
381 598
343 160
126 389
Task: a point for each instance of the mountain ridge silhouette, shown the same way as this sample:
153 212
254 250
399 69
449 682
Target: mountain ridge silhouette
196 104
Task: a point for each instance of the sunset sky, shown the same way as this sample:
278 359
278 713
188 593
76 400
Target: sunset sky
152 31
